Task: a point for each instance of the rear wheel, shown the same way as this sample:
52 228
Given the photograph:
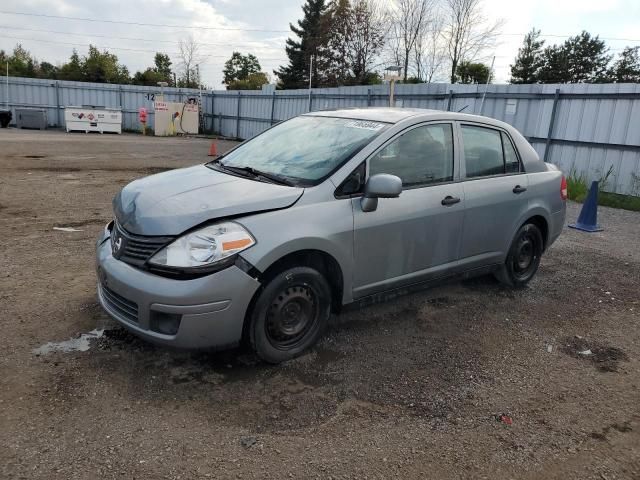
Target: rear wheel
523 258
289 314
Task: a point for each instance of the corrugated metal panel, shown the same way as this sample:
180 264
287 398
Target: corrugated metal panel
603 116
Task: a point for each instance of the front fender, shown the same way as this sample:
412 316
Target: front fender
326 227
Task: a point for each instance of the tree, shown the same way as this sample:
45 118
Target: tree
47 70
410 18
21 62
627 68
356 34
239 67
366 39
72 70
253 81
530 59
312 33
162 67
338 19
430 52
469 72
190 58
580 59
555 65
467 31
103 67
588 59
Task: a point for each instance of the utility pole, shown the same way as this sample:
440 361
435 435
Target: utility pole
6 98
310 77
487 85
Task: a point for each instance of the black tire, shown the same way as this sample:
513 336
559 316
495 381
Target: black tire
523 258
289 314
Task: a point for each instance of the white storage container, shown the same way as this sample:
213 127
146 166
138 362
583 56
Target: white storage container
89 118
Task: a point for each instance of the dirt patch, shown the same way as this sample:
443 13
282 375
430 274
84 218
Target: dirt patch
605 358
62 169
409 388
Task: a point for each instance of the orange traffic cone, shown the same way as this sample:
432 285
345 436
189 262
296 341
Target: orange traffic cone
213 150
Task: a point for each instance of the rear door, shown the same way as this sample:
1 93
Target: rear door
408 239
495 191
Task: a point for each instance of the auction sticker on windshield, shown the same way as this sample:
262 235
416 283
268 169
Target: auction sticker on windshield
364 125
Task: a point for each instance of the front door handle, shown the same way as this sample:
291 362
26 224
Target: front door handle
519 189
449 200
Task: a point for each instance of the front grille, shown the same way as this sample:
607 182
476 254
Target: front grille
135 249
120 305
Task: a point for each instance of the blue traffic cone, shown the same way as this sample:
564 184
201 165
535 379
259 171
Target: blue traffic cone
588 218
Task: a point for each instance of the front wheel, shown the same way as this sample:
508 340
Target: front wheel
523 258
289 314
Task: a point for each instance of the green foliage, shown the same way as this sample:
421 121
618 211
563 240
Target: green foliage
411 80
469 72
161 72
21 63
578 189
253 82
580 59
72 70
627 68
372 78
312 33
163 67
526 68
103 67
615 200
239 67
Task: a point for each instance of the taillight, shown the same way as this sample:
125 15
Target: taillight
563 188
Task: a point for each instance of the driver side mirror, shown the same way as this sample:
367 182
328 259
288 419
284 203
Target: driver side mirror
381 185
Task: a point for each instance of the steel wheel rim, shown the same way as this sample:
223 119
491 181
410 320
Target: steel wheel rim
525 255
291 315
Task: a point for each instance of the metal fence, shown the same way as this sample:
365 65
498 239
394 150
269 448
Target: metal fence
588 129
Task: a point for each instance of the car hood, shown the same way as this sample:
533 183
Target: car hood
171 202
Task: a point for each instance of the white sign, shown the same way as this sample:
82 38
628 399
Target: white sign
511 107
161 106
366 125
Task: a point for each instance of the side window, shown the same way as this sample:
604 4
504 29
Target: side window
512 163
354 183
421 156
482 151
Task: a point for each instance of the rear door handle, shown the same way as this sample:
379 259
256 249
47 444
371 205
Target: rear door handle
449 200
519 189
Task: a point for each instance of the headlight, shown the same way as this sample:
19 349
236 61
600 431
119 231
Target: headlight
206 246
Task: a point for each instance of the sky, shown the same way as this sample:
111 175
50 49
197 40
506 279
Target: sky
261 27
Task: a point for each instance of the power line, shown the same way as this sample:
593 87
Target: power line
7 27
114 48
612 39
97 20
248 29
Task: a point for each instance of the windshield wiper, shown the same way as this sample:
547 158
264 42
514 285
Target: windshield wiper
259 173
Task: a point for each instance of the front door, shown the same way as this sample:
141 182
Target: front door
416 236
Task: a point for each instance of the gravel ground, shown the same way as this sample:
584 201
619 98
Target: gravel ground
467 380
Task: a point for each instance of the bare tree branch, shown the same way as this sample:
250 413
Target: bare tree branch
468 32
190 58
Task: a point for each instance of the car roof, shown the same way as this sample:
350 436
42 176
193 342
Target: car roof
395 115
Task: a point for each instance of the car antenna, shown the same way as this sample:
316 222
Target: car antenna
463 108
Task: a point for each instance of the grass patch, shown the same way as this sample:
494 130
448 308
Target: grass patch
615 200
578 189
